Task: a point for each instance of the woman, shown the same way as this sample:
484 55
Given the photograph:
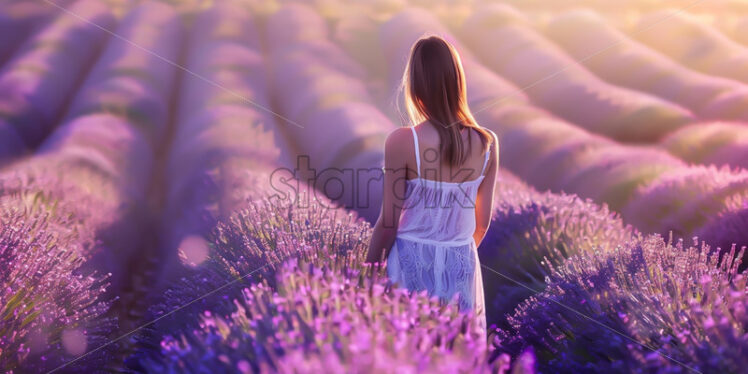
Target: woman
439 183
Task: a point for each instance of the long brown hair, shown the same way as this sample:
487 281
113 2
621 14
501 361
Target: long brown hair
435 90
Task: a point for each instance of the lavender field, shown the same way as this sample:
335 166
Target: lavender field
190 186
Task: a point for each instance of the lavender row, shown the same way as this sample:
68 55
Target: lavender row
226 143
556 82
736 30
107 133
321 89
654 191
352 324
710 97
38 81
648 306
18 21
718 55
718 143
83 198
134 78
243 249
530 233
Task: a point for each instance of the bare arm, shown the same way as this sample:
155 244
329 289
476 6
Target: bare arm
395 174
485 197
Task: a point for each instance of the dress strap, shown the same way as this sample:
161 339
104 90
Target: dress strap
418 152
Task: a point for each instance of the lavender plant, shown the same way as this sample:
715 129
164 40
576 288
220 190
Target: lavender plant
335 316
256 239
270 230
707 201
647 306
530 233
248 247
50 309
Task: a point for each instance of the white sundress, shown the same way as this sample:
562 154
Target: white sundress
434 249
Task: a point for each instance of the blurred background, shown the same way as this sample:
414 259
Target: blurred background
129 130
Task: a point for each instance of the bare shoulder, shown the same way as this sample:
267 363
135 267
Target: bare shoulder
494 146
495 140
397 140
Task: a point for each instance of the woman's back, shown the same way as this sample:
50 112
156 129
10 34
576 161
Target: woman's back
440 208
434 249
433 167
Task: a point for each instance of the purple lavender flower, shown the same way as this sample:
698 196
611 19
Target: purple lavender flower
51 310
530 233
334 316
647 305
248 247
